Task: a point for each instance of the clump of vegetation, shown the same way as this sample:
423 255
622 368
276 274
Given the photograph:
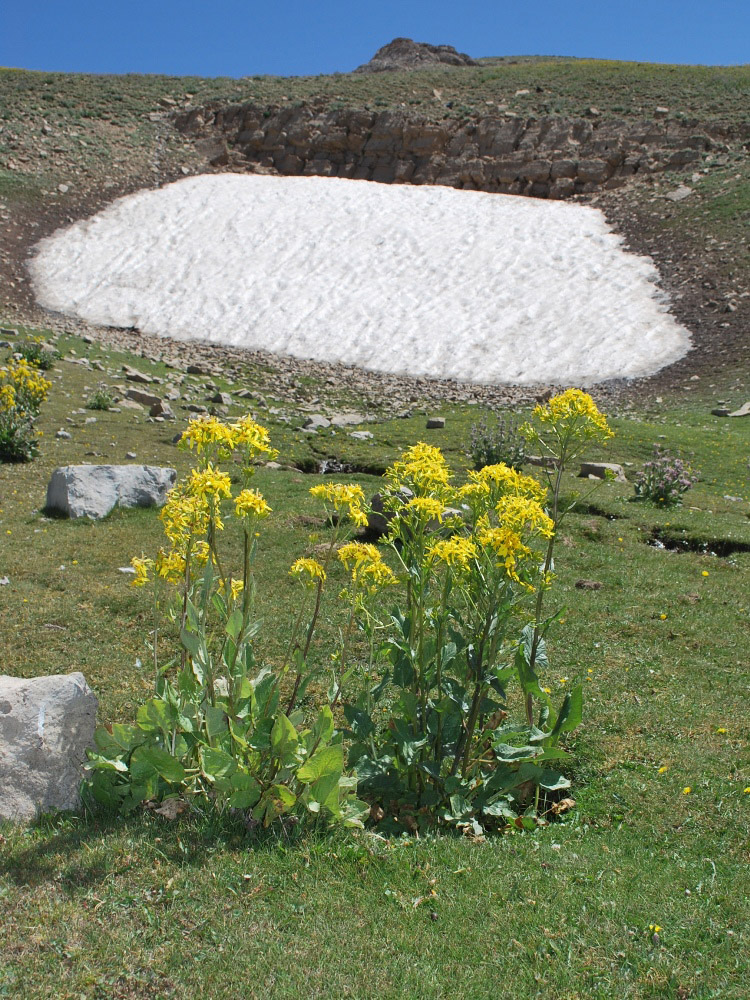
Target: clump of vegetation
100 399
664 479
497 440
23 389
449 621
37 353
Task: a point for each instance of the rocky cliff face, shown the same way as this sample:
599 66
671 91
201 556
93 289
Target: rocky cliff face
405 54
541 157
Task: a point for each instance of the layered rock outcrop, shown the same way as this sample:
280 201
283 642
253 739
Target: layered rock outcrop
546 157
405 54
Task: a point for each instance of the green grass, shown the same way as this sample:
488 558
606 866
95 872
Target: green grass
98 908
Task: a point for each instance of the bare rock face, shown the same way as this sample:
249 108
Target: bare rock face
94 490
46 724
405 54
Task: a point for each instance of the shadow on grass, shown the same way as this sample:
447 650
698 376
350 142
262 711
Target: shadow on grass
78 850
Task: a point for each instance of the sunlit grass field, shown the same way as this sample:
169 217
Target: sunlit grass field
99 907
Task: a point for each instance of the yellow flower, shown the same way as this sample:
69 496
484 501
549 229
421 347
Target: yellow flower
663 617
170 566
253 438
422 469
426 508
705 572
571 407
505 544
250 503
236 587
721 731
208 434
344 498
524 515
687 790
141 567
210 482
654 928
308 571
746 791
663 769
502 478
455 551
366 564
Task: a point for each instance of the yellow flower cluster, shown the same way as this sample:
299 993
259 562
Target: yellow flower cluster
570 412
209 435
308 571
251 503
487 485
141 567
505 544
523 515
343 498
210 482
23 387
426 508
366 564
422 469
456 552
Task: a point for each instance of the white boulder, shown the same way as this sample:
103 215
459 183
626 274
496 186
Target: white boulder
46 724
94 490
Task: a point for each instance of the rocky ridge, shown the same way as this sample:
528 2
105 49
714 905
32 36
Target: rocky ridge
405 54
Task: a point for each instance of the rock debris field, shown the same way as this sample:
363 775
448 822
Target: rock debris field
420 281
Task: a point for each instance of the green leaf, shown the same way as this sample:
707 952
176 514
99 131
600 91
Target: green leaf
156 714
216 721
245 791
553 781
167 766
234 625
360 722
325 761
570 714
322 731
284 737
217 764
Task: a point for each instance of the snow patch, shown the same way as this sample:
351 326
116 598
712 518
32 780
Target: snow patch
393 278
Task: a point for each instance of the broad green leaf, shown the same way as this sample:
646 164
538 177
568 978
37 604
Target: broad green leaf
163 763
217 764
216 721
553 781
360 722
570 714
322 731
283 736
325 761
234 624
156 714
245 790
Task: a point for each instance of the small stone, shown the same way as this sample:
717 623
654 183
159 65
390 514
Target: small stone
90 420
720 411
435 423
223 398
588 585
133 375
141 396
197 370
197 408
661 112
130 454
162 411
602 470
361 435
743 411
126 570
680 193
316 422
63 435
94 490
63 188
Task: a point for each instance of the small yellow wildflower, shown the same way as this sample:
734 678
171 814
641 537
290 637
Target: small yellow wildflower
344 498
721 731
210 482
251 503
663 617
455 551
746 791
654 928
236 587
687 790
522 515
170 566
308 571
663 769
426 508
141 567
422 468
705 572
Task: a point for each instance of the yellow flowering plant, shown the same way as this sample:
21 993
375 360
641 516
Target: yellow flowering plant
220 729
23 389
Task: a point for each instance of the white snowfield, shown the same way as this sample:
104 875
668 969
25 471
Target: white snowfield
411 280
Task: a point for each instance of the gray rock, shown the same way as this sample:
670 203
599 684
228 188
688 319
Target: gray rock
222 397
316 422
46 724
434 423
744 411
680 193
94 490
348 419
197 370
163 410
141 396
130 404
133 375
361 435
600 470
197 408
720 411
63 435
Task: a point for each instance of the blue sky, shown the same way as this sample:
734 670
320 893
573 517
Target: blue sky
305 37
